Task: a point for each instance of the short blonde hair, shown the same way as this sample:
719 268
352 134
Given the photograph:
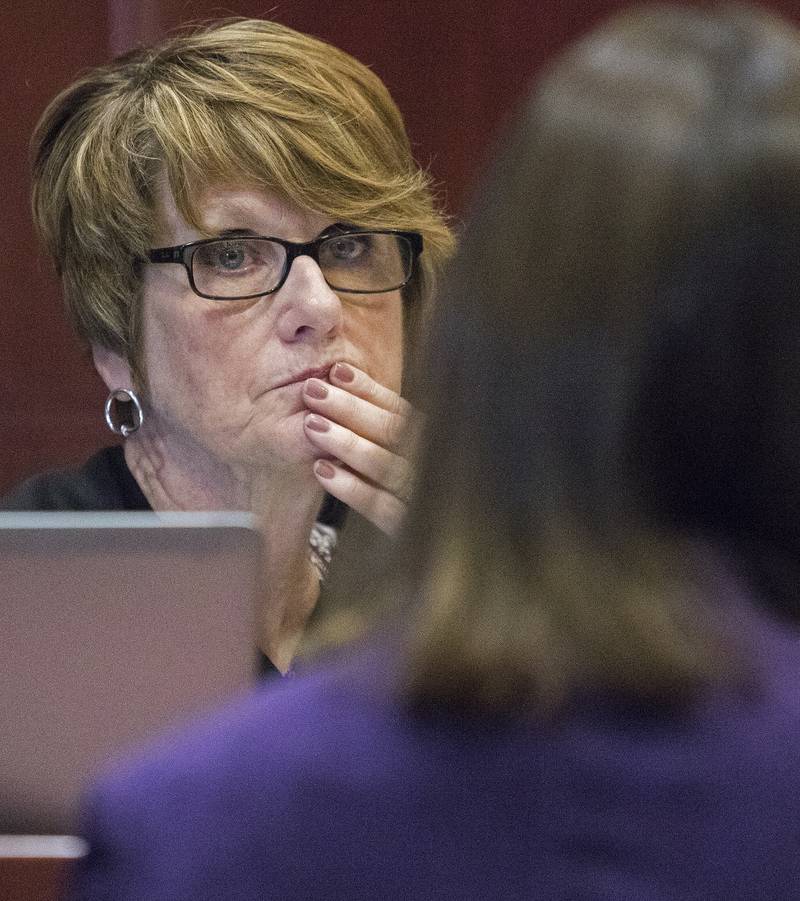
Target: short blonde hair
241 101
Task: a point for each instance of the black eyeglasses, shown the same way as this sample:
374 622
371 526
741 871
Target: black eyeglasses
243 266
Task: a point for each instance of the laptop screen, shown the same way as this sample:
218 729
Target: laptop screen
113 627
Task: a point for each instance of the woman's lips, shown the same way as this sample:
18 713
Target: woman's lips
321 372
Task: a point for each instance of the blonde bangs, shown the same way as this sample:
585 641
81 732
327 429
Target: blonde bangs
327 159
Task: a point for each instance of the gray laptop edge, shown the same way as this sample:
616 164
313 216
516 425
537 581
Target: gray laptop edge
113 627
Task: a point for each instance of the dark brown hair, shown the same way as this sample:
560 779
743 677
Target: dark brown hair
612 388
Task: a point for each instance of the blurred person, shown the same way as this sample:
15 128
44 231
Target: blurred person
248 247
584 683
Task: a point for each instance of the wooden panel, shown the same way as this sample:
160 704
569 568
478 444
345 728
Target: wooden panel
37 867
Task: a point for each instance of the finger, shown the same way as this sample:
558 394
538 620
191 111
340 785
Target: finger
356 381
383 468
380 507
376 424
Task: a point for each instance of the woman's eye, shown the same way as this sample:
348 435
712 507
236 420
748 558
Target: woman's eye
230 257
226 257
348 249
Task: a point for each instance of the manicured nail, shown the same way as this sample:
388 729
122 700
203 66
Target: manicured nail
324 469
316 388
343 373
317 423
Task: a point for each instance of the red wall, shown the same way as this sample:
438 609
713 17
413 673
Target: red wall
455 67
48 392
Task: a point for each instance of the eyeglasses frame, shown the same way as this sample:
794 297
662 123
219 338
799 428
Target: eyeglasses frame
184 253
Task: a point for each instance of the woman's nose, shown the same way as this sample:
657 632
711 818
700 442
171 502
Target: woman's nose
308 308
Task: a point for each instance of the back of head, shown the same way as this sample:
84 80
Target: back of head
613 374
245 102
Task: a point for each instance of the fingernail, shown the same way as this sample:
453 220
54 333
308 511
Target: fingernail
316 388
317 423
324 469
343 373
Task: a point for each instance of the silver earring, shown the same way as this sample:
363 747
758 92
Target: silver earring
127 396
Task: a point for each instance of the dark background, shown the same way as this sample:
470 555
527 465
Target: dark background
455 67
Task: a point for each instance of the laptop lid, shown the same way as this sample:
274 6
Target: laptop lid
113 627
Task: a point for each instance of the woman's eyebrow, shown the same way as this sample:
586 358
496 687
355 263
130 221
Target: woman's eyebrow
339 227
238 232
335 228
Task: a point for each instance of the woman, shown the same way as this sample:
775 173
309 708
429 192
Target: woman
239 226
597 694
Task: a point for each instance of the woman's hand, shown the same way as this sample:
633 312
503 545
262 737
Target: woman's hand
364 427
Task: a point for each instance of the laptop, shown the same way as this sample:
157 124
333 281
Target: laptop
113 627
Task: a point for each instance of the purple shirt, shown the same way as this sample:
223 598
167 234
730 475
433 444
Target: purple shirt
320 787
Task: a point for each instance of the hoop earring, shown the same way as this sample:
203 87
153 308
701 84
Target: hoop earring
124 395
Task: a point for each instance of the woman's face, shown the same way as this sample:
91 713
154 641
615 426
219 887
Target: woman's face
227 376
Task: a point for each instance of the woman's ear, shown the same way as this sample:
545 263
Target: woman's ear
113 369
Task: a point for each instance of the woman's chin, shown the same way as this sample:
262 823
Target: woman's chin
295 447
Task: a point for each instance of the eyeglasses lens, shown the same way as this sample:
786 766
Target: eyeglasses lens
366 262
